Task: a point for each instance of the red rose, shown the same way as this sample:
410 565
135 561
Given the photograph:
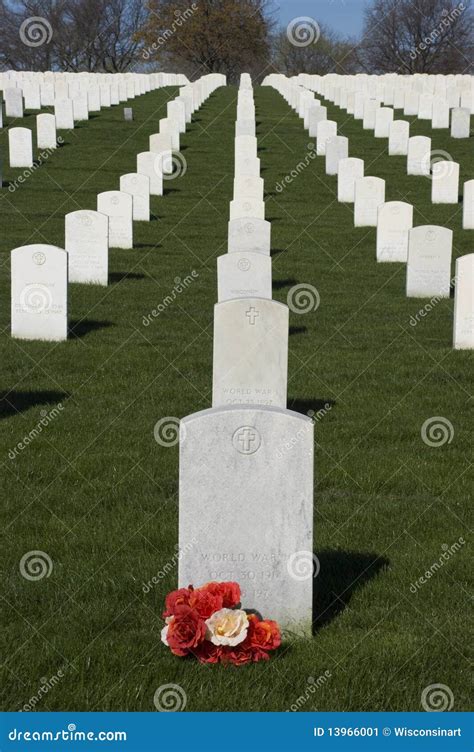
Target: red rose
263 635
238 656
229 591
176 598
205 602
206 652
185 631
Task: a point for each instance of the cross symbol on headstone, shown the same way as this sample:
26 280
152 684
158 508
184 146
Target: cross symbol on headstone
252 314
246 439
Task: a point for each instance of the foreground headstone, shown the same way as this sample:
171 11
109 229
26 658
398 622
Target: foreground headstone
138 186
244 275
87 244
429 262
349 170
246 508
118 206
464 303
250 363
249 234
39 275
369 194
20 145
445 182
395 220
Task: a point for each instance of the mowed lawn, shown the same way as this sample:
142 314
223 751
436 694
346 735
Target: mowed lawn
95 492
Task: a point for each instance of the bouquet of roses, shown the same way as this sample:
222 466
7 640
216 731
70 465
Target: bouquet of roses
206 623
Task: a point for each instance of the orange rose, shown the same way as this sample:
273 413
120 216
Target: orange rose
176 598
230 592
263 634
186 631
205 602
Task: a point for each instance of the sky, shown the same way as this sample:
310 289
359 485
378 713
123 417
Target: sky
344 16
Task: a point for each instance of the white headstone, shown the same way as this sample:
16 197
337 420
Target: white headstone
440 115
317 113
464 303
244 275
249 166
369 194
399 134
13 102
337 148
419 152
395 220
246 508
249 207
161 144
20 145
87 244
46 131
429 262
64 114
150 163
118 207
249 234
460 122
350 170
468 205
250 352
326 129
383 120
248 187
445 182
39 292
139 188
80 107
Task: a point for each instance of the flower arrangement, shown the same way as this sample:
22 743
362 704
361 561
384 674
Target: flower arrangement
206 622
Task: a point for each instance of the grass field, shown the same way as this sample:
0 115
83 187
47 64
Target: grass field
98 495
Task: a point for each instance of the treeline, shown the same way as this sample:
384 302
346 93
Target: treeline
231 36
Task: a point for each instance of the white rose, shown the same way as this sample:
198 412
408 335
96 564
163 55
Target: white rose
227 627
164 631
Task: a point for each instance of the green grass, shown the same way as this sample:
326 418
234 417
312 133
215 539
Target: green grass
96 492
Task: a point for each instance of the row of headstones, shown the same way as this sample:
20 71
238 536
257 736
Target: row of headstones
87 92
246 464
429 98
67 111
40 273
427 249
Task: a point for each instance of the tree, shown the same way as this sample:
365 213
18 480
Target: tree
74 35
417 36
320 51
209 36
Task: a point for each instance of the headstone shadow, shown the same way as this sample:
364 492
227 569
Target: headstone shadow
341 574
304 406
81 328
279 284
298 330
15 402
116 277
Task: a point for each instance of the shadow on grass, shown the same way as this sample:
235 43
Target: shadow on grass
14 402
115 277
341 574
304 406
279 284
298 330
81 328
